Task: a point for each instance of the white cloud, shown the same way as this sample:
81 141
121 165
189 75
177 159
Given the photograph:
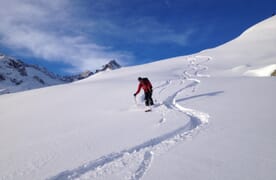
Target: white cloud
157 32
56 30
142 30
40 29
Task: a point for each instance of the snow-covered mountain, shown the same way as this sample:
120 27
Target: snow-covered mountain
112 65
210 120
15 75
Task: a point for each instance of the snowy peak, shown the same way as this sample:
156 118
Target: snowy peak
17 65
15 75
112 65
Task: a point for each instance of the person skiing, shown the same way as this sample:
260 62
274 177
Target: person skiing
147 87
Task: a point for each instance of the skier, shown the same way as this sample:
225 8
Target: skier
147 87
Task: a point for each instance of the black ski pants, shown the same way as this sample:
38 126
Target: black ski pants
148 98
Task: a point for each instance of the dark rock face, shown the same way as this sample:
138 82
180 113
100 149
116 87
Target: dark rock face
274 73
2 77
16 81
39 80
18 65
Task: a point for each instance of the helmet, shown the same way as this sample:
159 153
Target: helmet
140 79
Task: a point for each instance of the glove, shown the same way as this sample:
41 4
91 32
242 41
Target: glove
134 94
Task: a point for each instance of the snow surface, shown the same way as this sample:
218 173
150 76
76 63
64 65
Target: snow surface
254 49
209 121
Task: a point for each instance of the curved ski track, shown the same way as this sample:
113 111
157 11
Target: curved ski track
136 161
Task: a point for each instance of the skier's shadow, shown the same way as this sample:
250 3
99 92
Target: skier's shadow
200 95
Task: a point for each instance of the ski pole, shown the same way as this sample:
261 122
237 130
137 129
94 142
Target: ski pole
135 101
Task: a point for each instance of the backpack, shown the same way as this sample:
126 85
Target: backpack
147 83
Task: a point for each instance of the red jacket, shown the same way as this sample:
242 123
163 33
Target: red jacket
145 84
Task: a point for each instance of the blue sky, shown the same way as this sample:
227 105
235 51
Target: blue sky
70 36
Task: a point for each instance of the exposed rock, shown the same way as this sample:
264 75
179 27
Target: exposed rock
274 73
18 65
16 82
39 80
2 77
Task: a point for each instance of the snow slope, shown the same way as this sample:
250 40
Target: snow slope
209 121
250 54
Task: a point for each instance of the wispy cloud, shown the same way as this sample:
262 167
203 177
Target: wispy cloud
58 31
44 30
148 29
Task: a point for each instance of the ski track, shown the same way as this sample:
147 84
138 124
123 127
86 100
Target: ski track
148 157
137 160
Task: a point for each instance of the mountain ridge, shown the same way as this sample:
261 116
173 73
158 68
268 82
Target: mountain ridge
16 75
